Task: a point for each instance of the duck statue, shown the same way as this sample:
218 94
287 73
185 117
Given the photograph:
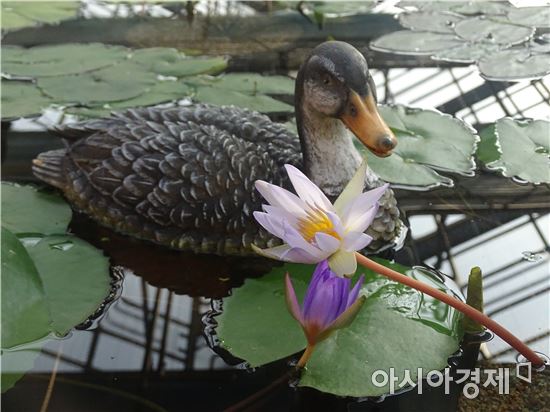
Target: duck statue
184 176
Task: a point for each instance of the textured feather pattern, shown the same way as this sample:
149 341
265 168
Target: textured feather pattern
182 177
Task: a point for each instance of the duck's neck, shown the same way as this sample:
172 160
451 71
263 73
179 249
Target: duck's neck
330 159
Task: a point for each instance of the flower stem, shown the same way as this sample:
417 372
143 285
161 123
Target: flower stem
467 310
305 356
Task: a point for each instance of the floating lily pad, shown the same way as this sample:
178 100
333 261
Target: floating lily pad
481 7
28 13
427 140
28 210
170 62
436 22
249 83
22 99
531 16
525 148
121 82
468 53
509 65
255 317
17 362
60 60
259 102
487 150
430 6
414 43
480 29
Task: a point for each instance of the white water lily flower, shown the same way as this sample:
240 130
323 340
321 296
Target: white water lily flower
314 229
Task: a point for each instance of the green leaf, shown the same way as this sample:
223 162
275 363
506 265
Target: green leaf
255 317
427 140
23 301
249 83
28 210
28 13
514 64
481 29
525 148
468 53
16 362
121 82
414 43
435 22
481 7
487 150
22 99
258 102
67 282
59 60
531 16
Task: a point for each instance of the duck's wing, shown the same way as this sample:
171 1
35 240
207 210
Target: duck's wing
182 177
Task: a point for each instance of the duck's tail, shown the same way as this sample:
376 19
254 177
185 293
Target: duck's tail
48 167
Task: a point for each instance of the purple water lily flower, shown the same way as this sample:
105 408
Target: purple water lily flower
313 228
329 304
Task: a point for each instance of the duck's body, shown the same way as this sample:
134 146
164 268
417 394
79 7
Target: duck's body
184 177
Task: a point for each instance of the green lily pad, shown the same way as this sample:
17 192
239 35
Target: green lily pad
255 317
59 60
121 82
26 210
20 14
259 102
415 43
487 150
467 53
27 307
525 148
249 83
427 140
17 362
22 99
481 29
435 22
510 65
531 16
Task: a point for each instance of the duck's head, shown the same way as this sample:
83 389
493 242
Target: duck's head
335 82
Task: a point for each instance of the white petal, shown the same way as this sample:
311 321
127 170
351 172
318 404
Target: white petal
326 242
286 254
355 241
362 204
296 240
336 223
353 189
362 222
281 214
271 223
343 263
274 252
277 196
307 190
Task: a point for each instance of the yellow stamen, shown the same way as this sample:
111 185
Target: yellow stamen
316 221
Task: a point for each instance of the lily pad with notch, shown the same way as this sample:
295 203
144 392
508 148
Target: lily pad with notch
255 317
525 148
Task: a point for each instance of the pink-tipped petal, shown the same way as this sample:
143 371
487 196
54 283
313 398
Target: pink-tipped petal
291 300
277 196
307 190
354 293
343 263
327 243
355 241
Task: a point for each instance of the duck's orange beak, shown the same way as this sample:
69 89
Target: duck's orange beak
362 118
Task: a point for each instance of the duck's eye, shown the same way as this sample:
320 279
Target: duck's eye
327 80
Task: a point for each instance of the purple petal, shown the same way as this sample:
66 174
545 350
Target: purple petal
319 274
307 190
354 293
291 300
326 242
355 241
